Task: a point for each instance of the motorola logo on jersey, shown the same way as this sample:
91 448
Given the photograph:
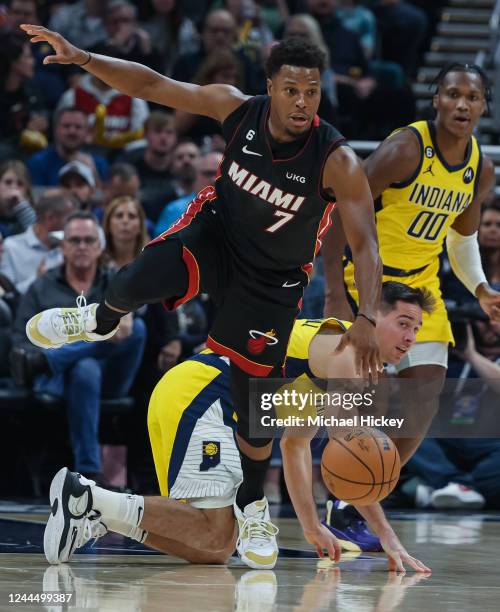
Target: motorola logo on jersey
259 340
468 175
251 183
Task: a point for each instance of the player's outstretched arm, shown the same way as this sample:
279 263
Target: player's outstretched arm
397 554
463 248
344 176
138 81
297 467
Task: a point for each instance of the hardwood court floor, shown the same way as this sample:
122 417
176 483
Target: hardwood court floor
114 575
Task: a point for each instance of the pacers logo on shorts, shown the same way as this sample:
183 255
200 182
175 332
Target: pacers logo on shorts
211 455
259 340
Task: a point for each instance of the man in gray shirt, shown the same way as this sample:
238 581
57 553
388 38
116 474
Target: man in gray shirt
28 255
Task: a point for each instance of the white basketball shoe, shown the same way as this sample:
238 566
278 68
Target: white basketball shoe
72 522
256 544
55 327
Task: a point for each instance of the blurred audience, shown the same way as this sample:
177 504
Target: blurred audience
153 161
205 174
171 30
124 38
16 198
71 134
124 226
219 32
82 373
78 179
30 254
24 121
116 118
81 22
9 297
221 67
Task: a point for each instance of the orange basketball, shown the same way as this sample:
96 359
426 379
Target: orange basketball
361 467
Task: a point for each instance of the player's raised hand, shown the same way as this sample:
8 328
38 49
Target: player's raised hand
361 336
65 52
323 539
398 556
489 300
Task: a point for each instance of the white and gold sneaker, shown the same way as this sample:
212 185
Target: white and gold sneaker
55 327
256 544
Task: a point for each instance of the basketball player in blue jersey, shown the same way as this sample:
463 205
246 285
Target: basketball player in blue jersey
248 241
192 425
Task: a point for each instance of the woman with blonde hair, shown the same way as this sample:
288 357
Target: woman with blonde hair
125 230
16 198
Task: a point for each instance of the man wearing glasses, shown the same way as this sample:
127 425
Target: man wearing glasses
82 373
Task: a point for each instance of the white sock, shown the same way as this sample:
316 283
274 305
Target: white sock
122 507
129 531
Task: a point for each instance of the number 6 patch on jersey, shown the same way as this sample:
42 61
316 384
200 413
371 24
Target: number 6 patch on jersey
211 455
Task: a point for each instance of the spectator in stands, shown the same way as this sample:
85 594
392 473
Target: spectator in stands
8 297
81 23
251 26
489 242
124 38
219 32
366 109
221 67
403 28
464 473
16 199
71 134
123 180
117 119
82 373
171 30
361 20
48 78
124 226
30 254
183 167
78 179
153 162
24 121
206 171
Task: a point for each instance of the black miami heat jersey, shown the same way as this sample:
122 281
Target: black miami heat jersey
272 208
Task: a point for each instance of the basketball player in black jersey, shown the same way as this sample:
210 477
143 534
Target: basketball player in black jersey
249 241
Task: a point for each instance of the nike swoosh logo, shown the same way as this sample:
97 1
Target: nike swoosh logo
245 150
287 284
139 514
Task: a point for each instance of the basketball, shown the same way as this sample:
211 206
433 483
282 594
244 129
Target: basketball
361 467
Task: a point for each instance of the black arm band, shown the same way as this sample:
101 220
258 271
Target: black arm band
86 61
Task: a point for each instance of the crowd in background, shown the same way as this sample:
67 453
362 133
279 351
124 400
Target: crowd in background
88 176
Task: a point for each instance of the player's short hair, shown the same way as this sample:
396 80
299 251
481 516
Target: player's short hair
294 51
468 68
393 291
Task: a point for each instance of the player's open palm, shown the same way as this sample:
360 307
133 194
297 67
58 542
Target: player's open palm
323 539
398 556
65 52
